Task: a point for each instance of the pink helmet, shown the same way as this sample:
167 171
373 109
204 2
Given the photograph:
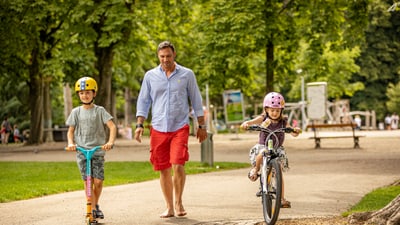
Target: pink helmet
274 100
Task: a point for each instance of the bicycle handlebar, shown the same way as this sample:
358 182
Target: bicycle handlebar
264 129
80 148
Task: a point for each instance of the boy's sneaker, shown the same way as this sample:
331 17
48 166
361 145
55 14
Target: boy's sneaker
98 213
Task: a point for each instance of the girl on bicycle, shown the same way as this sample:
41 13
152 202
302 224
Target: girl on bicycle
271 118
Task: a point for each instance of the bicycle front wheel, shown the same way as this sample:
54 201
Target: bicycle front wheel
271 198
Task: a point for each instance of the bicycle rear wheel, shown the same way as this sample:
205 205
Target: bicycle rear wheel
271 198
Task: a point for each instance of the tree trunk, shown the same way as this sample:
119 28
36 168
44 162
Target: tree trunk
270 67
35 99
113 111
388 215
104 66
47 116
128 108
67 101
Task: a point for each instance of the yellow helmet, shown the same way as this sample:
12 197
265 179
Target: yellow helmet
86 84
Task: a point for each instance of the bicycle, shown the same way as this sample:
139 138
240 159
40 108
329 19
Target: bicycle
88 153
271 173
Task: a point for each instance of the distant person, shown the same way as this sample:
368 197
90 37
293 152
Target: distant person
388 122
358 121
17 134
167 89
3 133
394 121
86 130
295 123
272 118
25 135
8 130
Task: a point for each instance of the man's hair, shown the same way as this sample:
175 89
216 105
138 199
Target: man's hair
165 44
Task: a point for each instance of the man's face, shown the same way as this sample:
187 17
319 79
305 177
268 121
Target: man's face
166 57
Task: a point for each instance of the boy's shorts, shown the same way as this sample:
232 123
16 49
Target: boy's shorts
97 166
167 148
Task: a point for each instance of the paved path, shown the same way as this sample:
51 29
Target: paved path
320 183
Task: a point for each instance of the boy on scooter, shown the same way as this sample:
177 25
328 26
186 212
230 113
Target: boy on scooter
86 129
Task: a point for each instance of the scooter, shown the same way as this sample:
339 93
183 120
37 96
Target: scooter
88 153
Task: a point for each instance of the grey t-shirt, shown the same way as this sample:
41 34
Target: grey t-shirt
89 126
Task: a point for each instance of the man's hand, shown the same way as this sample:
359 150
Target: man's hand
201 134
138 134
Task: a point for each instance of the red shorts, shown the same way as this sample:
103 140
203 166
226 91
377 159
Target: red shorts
167 148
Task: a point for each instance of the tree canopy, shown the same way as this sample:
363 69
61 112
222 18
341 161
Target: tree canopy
255 46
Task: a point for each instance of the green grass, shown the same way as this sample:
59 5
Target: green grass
25 180
375 200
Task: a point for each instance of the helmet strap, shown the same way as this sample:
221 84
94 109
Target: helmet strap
88 102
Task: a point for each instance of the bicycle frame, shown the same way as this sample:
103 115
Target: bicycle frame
264 171
271 181
88 153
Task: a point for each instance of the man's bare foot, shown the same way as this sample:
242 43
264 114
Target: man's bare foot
167 214
180 211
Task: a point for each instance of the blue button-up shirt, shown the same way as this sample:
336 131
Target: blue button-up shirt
169 98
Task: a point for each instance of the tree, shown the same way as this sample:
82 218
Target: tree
231 38
31 43
388 215
393 93
102 25
254 42
254 45
379 64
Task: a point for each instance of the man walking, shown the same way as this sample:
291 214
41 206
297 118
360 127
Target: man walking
167 89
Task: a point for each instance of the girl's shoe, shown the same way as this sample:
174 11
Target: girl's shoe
253 174
285 203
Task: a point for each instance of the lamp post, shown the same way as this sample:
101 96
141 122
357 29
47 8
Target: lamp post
303 103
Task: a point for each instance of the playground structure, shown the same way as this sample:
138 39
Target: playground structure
337 112
321 111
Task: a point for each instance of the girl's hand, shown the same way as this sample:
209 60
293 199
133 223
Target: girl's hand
244 125
296 131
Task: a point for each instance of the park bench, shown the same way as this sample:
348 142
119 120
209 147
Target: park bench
317 137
